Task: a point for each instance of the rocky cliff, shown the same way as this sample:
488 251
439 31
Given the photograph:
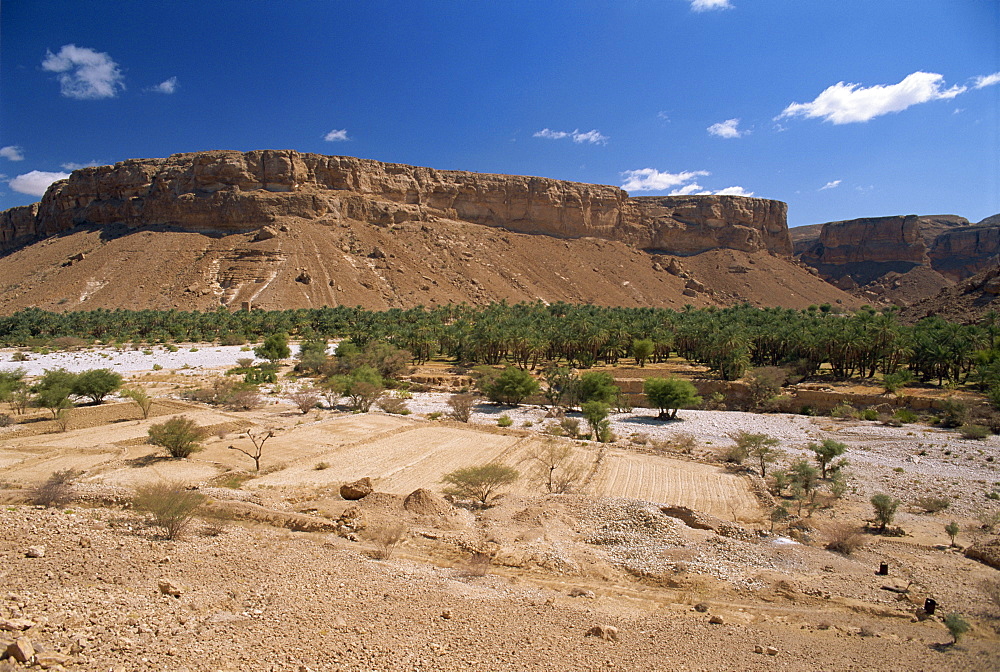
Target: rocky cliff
920 254
228 191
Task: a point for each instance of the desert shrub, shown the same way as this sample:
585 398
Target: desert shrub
462 405
511 387
885 509
180 435
952 529
6 420
765 384
760 447
932 504
171 506
952 413
57 490
320 466
597 386
734 454
141 399
780 480
906 416
478 564
504 421
394 404
844 411
20 356
480 483
957 626
991 589
555 469
596 414
868 414
989 520
843 538
571 426
232 339
969 431
386 539
274 348
305 399
231 394
889 420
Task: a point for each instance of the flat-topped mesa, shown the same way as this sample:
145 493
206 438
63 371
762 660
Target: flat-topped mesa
237 191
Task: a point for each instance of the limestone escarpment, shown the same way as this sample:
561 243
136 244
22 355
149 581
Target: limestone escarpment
232 191
902 258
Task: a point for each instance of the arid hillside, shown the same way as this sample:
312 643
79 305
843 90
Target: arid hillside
284 230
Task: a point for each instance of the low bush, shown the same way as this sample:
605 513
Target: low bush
180 435
171 506
844 538
386 539
932 504
394 404
977 432
906 416
56 491
504 421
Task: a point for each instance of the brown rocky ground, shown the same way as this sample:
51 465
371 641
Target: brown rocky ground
254 594
314 264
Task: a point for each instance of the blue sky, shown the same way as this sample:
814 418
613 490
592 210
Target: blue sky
841 108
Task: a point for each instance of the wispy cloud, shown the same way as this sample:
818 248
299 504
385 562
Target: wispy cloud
70 165
12 153
36 182
593 137
679 184
167 86
727 129
983 81
830 185
709 5
852 103
84 74
336 136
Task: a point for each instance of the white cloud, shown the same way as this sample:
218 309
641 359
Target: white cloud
662 115
336 136
36 182
168 86
650 179
727 129
594 136
12 153
76 166
830 185
550 134
851 103
84 73
983 81
680 184
709 5
733 191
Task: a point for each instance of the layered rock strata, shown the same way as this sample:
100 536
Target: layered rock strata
232 191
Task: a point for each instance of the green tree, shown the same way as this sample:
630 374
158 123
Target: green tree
363 387
957 626
596 413
952 529
670 395
560 383
274 348
885 509
480 483
180 435
641 350
826 452
312 354
760 447
597 386
96 384
511 387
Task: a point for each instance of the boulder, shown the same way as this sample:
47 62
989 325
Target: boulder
359 489
35 552
171 587
15 624
21 650
608 633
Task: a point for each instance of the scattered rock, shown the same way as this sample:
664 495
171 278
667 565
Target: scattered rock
446 614
15 624
717 620
701 607
21 650
580 592
35 552
758 648
265 233
771 651
357 490
304 278
426 503
608 633
51 659
171 587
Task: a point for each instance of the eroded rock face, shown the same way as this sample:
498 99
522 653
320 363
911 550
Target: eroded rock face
233 191
863 251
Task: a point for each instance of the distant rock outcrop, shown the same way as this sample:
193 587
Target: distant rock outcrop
237 192
901 258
